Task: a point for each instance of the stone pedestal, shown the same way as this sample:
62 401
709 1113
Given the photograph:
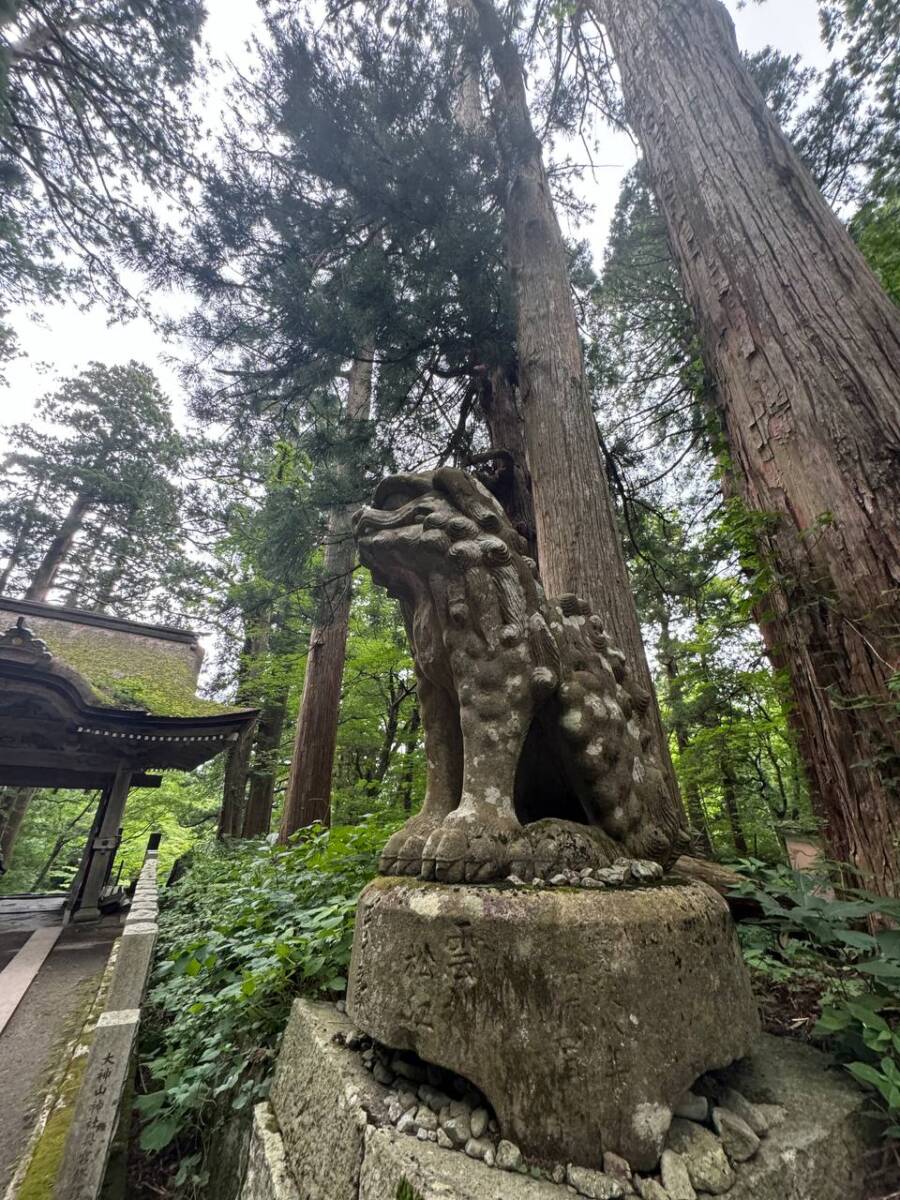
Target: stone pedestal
582 1016
326 1133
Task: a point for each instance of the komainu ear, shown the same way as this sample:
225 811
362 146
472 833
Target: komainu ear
469 497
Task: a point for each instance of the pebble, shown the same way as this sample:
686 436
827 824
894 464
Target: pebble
407 1099
675 1177
592 883
649 1189
394 1112
407 1123
738 1103
489 1157
425 1118
508 1156
515 879
537 881
558 1174
478 1147
457 1128
443 1141
558 880
692 1107
707 1164
615 1164
479 1122
645 870
341 1006
594 1184
738 1138
611 876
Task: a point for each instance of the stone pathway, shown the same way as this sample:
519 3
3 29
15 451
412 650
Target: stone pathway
48 1012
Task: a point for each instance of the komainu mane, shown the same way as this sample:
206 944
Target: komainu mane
536 737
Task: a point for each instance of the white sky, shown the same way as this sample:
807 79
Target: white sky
64 339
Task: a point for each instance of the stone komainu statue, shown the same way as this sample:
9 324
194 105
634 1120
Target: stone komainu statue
536 737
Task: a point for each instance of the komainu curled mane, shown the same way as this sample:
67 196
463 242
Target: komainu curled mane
536 738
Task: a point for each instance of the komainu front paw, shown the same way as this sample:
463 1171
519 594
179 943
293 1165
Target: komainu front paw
467 849
403 853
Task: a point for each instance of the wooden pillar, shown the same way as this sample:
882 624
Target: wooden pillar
103 846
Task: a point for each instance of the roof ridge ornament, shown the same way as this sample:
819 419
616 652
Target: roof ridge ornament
22 644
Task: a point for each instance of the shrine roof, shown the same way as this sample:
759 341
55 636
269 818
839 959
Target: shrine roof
126 664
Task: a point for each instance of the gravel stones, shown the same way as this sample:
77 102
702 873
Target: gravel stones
479 1147
675 1177
596 1185
623 871
738 1138
753 1114
614 1164
707 1164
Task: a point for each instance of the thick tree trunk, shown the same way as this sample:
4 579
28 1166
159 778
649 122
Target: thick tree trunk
258 814
237 762
56 553
20 545
578 542
507 475
805 348
308 797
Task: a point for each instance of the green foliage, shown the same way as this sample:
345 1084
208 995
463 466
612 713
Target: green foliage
247 929
841 951
95 125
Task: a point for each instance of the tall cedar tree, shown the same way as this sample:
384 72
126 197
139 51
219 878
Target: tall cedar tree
804 347
107 511
579 548
308 797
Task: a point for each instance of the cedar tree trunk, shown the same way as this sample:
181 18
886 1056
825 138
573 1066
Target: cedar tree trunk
237 762
805 348
578 542
308 797
258 814
40 586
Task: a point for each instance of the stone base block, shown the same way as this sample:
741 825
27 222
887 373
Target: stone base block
819 1150
325 1136
268 1176
582 1016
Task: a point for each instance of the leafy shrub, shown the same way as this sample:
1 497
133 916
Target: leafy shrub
837 957
249 927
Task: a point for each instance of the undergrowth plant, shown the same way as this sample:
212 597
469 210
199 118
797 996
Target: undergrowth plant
834 964
248 928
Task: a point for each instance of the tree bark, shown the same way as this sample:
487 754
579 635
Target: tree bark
308 797
578 541
237 762
805 348
508 478
56 553
258 814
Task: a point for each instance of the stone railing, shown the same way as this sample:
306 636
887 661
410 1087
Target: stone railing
109 1068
